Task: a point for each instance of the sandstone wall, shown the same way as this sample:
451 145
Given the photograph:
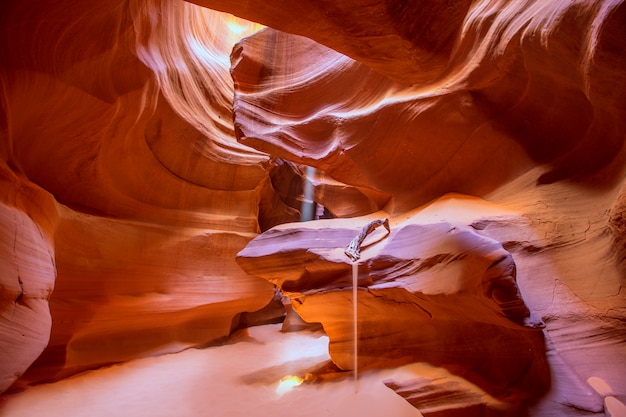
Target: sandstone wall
129 190
141 153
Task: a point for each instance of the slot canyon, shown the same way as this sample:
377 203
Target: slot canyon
180 182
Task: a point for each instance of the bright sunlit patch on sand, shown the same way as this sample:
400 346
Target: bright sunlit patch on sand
287 383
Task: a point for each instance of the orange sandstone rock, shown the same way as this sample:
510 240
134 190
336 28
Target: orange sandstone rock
27 274
153 193
524 84
119 156
432 292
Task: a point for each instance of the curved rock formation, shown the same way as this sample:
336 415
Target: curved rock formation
431 292
125 122
498 106
27 275
121 172
528 111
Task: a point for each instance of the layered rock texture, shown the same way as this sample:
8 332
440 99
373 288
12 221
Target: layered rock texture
137 205
432 292
145 143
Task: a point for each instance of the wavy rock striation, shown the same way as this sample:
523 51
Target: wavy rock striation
522 103
515 93
123 175
431 292
27 275
120 115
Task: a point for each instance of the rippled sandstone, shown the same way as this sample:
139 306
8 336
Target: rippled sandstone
132 190
430 291
128 200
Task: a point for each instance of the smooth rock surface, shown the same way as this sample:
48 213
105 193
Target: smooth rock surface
432 292
148 196
119 156
27 273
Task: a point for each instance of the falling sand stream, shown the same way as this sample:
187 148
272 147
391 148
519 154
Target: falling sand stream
355 303
353 251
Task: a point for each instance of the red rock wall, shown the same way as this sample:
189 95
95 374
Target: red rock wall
146 202
118 156
525 108
524 85
429 291
27 273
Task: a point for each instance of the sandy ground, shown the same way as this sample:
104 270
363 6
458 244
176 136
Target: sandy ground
238 379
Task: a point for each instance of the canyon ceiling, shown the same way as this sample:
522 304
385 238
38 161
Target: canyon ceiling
152 160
